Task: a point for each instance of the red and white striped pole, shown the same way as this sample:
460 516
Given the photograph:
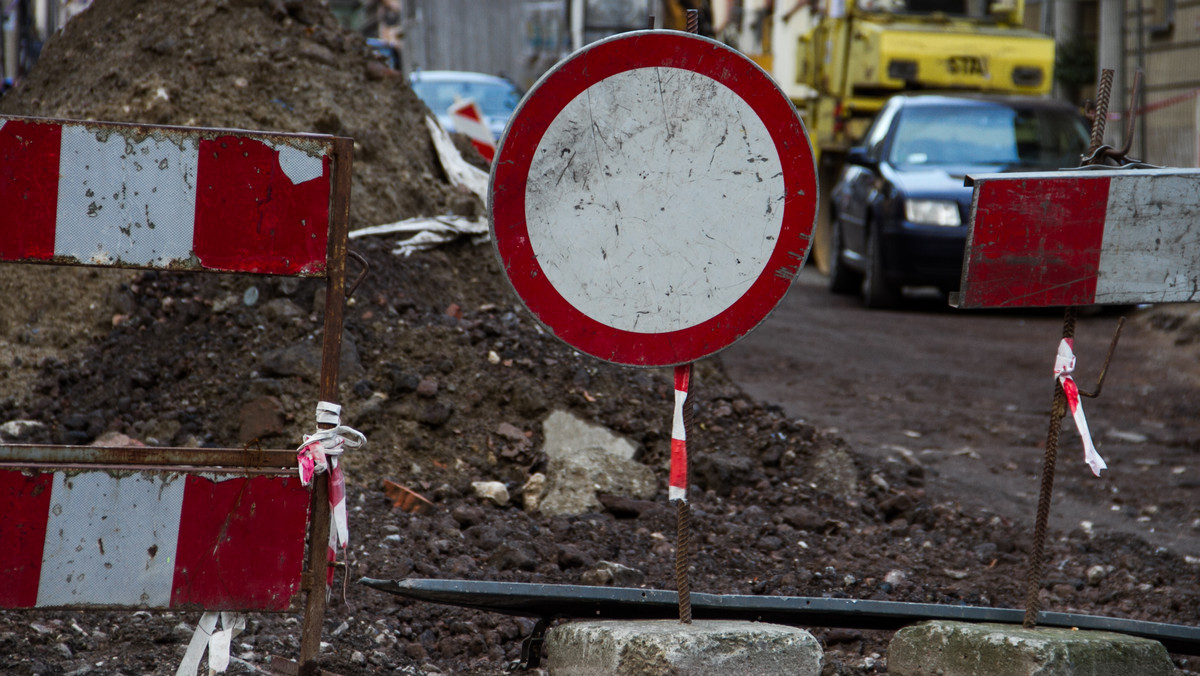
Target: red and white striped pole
681 425
679 431
678 487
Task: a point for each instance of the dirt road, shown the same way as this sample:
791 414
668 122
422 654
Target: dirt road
967 395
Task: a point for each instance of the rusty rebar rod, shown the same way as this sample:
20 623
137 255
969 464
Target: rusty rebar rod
1112 347
1037 556
335 304
1103 93
1058 408
1098 153
683 521
1131 116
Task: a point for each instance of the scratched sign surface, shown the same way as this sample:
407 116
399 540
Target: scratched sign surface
151 539
109 194
1082 238
653 198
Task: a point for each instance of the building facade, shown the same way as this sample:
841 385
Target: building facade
1159 38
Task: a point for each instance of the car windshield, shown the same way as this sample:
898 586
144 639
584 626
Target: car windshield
495 99
1026 138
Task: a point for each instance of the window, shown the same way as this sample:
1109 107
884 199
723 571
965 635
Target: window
956 135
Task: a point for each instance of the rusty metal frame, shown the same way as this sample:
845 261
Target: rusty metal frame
250 462
335 306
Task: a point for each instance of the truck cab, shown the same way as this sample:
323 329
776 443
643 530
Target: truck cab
860 52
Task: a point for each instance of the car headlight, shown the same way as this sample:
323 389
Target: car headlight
932 212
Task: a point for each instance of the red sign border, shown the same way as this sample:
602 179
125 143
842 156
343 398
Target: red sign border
546 100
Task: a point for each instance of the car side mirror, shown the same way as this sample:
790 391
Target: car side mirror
858 155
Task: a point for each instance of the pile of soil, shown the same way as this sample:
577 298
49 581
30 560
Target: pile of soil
279 66
450 379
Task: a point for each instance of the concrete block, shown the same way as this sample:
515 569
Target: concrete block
669 648
942 648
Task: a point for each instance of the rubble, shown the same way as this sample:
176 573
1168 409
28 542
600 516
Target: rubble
453 383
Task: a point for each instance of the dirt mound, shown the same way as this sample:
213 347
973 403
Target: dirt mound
278 66
247 64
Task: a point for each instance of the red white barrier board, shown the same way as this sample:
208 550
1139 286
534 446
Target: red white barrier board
150 539
212 529
469 120
1082 238
163 197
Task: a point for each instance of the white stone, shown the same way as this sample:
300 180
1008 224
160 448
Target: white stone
584 459
942 648
533 491
19 428
491 490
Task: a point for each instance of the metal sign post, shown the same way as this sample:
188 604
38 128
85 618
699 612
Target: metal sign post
651 202
1093 236
177 198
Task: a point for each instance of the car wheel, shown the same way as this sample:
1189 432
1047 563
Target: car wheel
878 292
842 280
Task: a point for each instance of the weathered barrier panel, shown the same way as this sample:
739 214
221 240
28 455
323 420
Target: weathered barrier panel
172 528
112 535
164 197
1083 237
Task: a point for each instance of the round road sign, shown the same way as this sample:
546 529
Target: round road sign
653 198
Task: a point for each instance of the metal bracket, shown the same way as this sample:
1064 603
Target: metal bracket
1107 359
366 268
1099 153
531 648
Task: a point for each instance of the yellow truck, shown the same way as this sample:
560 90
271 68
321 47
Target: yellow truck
839 60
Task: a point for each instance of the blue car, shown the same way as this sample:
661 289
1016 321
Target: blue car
899 209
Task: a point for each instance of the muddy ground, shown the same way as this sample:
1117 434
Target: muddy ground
966 395
442 365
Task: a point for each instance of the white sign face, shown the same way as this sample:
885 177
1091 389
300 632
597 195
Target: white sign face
653 197
620 173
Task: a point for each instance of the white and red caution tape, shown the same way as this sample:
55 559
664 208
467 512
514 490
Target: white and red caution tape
216 641
678 487
1159 105
319 453
1064 366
